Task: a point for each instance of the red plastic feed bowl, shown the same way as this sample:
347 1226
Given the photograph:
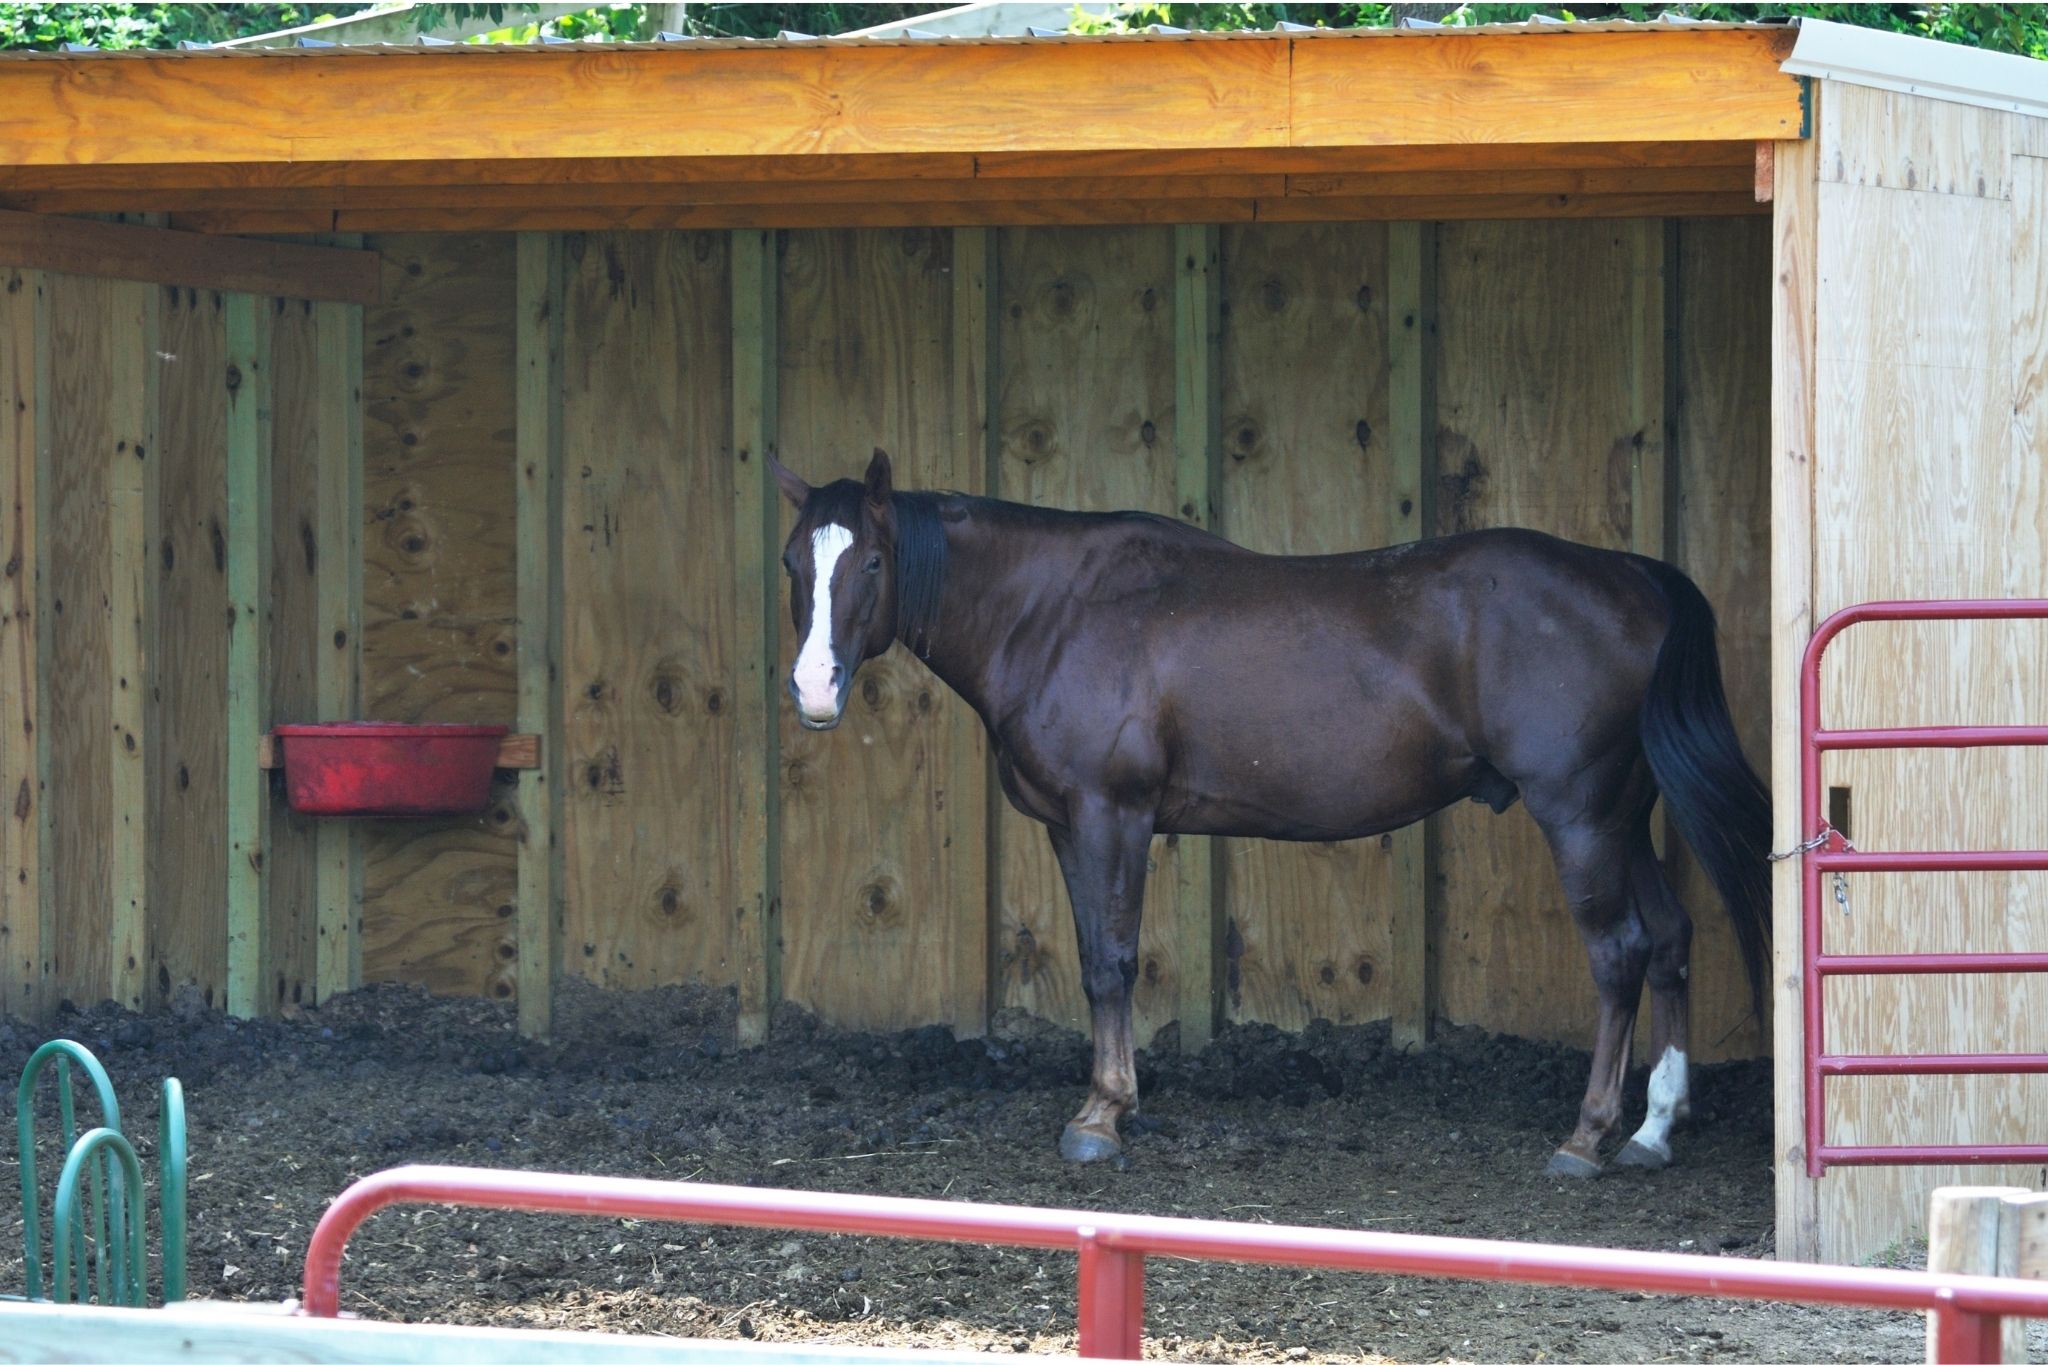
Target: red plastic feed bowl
375 768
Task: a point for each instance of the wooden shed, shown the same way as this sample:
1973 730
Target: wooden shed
434 384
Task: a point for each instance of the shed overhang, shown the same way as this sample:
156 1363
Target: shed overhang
1531 121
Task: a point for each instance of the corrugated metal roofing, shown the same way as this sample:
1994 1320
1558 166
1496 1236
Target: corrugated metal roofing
1537 26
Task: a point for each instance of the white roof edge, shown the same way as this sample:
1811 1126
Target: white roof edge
1919 66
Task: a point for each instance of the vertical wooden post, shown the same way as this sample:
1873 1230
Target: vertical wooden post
338 588
1197 386
1967 1235
975 969
1653 398
25 928
757 936
1795 279
1411 515
248 561
132 531
538 510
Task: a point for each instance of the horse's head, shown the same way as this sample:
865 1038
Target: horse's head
842 595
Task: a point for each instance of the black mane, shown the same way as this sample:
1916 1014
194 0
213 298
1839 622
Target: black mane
920 568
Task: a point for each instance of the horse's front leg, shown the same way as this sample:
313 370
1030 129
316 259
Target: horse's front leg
1102 855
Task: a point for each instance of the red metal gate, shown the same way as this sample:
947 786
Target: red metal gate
1828 853
1112 1247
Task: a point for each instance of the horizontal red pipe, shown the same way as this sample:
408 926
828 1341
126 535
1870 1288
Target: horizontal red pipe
1930 860
1975 1154
1142 1235
1935 737
1928 964
1937 1064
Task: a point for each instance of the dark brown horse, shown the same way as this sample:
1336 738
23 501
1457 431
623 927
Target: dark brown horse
1138 676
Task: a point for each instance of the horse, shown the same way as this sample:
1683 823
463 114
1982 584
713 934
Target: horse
1140 676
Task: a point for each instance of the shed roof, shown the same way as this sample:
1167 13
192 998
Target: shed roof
1518 120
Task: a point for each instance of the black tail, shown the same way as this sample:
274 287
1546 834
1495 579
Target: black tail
1715 798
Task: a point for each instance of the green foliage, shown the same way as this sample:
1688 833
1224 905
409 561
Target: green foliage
2021 29
49 26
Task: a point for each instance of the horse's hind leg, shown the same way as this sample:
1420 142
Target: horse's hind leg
1594 868
1102 856
1670 930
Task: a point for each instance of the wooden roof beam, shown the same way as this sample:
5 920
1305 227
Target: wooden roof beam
80 246
806 100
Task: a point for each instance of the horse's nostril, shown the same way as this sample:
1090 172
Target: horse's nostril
838 675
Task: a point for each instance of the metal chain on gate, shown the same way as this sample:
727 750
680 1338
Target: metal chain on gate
1801 850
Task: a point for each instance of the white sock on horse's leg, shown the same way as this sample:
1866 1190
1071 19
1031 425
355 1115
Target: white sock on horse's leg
1667 1102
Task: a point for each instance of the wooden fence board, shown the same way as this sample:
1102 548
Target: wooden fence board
296 650
1535 431
647 560
82 341
539 548
439 635
188 876
338 629
25 928
757 691
1307 469
1084 419
881 864
248 529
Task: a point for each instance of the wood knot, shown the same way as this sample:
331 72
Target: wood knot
1327 973
667 690
1365 971
1273 294
669 900
880 902
1148 433
714 701
871 693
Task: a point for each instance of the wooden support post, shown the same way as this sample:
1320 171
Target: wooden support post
248 562
25 904
1795 279
975 967
1197 388
1411 515
132 533
539 573
1653 398
337 680
757 936
1967 1234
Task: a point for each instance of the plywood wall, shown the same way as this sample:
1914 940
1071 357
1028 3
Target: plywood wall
119 551
648 564
1044 365
1929 348
882 865
1307 468
439 897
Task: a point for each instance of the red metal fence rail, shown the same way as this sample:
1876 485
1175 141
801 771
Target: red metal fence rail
1830 854
1112 1248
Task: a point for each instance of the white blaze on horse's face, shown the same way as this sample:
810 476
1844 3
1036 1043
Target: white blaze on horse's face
818 675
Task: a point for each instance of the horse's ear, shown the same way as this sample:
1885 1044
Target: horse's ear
792 485
878 478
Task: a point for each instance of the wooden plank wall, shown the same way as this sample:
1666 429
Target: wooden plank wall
439 897
1308 468
1928 481
1349 384
647 582
122 541
882 864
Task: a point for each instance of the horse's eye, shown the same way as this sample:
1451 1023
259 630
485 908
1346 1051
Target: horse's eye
874 563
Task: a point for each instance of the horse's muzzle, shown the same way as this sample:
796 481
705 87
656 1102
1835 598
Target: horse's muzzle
831 722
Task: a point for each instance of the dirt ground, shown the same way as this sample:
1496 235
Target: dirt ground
1332 1127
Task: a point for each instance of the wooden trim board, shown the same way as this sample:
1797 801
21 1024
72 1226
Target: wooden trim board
82 246
1268 91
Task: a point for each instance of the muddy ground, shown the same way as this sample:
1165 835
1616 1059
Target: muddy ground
1332 1127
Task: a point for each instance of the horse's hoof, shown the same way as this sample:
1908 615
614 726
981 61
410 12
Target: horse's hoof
1635 1154
1574 1167
1085 1145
